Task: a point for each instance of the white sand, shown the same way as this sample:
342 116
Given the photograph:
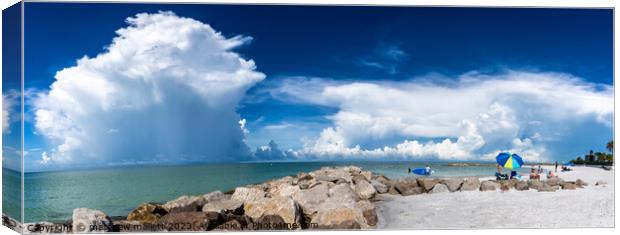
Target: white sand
592 206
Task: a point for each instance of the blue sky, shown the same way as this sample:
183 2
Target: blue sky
307 59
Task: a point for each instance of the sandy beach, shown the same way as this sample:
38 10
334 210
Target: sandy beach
592 206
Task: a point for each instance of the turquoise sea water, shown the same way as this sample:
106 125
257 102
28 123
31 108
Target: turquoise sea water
52 196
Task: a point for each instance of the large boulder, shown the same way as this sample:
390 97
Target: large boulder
247 194
189 221
548 188
368 211
506 185
440 188
404 185
382 179
427 183
342 193
126 226
535 184
580 183
339 217
412 191
224 206
185 204
522 185
569 186
470 184
86 220
554 181
284 207
453 183
309 199
353 170
488 186
234 222
147 213
284 190
329 174
380 187
215 196
367 174
271 222
364 189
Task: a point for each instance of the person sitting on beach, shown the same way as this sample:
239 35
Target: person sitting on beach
534 175
551 175
499 175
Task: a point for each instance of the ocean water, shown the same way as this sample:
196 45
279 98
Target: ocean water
52 196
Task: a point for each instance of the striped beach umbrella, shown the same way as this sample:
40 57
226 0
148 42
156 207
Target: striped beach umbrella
509 160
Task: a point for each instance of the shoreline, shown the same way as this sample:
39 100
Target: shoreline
318 200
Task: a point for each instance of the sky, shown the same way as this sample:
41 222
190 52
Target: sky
124 84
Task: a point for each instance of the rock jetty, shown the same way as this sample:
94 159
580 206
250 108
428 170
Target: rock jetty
328 198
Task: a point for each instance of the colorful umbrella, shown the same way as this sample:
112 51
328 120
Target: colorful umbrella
509 160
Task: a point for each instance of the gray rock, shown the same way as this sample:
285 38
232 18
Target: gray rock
470 184
488 186
284 207
453 183
580 183
548 188
339 217
440 188
535 184
215 196
86 220
381 188
224 206
304 176
554 181
522 185
364 189
272 222
186 221
331 174
147 213
342 194
235 223
358 178
246 194
367 174
368 211
382 179
309 199
404 185
185 204
412 191
283 190
427 183
569 186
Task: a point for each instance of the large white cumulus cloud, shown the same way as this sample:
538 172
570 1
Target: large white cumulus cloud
473 116
165 89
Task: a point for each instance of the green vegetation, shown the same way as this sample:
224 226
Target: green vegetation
597 158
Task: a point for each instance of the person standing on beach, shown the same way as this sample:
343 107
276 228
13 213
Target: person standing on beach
556 166
428 169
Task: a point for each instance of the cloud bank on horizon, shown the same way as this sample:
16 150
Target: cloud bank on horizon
167 89
472 117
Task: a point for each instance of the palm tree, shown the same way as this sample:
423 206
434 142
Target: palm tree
610 146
